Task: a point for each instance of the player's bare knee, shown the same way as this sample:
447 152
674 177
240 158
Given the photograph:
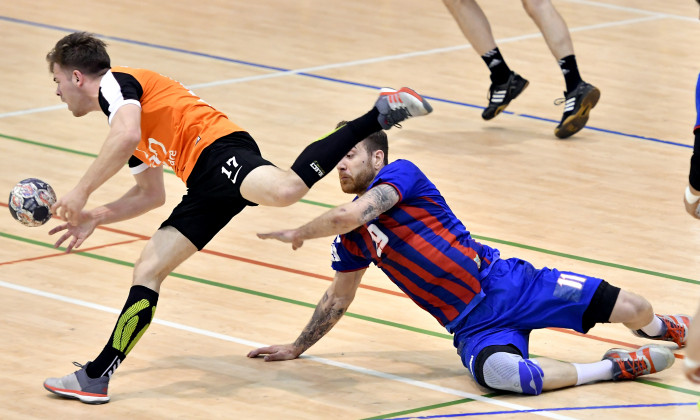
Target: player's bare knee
640 306
533 7
451 4
288 195
290 190
630 307
148 274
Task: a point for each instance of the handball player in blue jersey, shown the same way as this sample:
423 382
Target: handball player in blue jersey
400 222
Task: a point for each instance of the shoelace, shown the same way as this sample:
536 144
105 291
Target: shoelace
636 367
559 101
398 114
675 331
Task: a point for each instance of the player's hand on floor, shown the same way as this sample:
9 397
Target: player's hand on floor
276 352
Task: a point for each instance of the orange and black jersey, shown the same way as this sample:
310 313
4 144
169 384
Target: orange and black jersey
176 125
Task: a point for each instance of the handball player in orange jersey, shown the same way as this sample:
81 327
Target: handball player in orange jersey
153 121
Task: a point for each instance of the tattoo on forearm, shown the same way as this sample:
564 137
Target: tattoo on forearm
323 319
381 198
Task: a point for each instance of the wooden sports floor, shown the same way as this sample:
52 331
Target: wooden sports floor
607 203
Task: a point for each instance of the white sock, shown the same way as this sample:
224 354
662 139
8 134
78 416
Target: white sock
591 372
655 327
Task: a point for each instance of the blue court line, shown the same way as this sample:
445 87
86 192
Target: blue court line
593 407
316 76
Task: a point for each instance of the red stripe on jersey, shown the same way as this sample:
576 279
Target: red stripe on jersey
448 310
369 243
438 228
459 291
429 251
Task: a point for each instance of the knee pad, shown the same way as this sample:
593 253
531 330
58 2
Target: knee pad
510 372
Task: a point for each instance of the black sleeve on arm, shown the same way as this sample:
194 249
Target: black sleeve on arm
694 177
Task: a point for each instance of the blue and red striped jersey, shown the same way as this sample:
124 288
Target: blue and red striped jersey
420 244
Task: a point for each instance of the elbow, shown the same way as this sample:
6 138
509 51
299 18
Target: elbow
132 138
344 221
339 304
158 199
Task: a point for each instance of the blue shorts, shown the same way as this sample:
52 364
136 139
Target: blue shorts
519 299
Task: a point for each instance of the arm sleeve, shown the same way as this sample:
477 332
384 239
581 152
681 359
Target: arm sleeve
116 90
344 260
401 174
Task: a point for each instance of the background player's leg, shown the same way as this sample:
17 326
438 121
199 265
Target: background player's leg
473 23
506 85
551 25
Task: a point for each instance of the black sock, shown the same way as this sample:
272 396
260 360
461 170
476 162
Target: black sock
499 69
570 69
321 156
135 317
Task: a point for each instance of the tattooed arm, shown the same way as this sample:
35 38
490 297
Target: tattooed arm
329 310
341 219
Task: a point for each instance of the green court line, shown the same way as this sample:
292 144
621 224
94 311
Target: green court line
47 146
292 301
588 260
430 407
485 238
234 288
668 387
78 152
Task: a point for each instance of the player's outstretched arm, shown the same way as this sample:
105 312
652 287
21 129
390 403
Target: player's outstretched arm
341 219
124 135
147 194
328 312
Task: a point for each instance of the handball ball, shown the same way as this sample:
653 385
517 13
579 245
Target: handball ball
31 201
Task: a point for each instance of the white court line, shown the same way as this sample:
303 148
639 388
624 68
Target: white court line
632 10
253 344
32 111
653 16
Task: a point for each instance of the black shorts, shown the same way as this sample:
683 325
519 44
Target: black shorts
213 188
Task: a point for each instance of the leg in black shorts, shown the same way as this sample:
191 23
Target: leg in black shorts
213 188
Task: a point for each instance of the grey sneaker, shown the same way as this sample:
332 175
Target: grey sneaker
578 105
397 105
645 360
79 386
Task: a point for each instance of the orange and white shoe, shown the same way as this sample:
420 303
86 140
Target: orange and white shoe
676 329
398 105
644 361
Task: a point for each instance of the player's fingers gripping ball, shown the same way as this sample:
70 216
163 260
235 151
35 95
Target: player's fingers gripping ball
30 202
